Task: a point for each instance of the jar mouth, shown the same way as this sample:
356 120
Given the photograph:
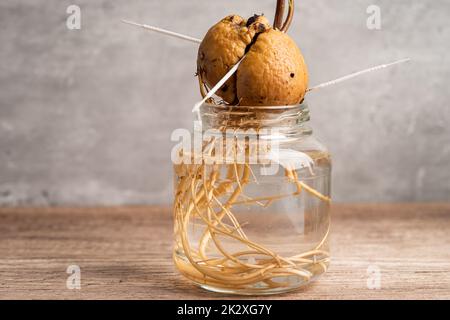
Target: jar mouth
254 117
301 106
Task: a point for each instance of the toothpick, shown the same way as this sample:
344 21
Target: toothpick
218 85
356 74
163 31
235 67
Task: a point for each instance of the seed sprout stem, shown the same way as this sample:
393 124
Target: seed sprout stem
290 16
279 13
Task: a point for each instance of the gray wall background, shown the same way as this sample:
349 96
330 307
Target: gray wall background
86 116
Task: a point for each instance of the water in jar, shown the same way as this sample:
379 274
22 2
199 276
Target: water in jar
240 230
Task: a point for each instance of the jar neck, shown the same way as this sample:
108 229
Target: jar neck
285 120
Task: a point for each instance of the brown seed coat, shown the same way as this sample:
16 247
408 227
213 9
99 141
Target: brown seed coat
273 73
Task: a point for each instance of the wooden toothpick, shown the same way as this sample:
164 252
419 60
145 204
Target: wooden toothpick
163 31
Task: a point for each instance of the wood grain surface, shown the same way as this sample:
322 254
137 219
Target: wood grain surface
125 253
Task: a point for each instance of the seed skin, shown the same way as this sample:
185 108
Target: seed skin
221 48
267 72
273 73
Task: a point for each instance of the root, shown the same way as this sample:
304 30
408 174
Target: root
254 269
206 196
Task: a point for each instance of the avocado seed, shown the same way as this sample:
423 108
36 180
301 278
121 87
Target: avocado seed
273 73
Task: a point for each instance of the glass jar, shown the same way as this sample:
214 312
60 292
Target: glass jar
252 201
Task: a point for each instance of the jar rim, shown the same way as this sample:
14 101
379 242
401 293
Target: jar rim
303 106
288 118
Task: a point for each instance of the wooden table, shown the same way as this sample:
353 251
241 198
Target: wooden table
125 253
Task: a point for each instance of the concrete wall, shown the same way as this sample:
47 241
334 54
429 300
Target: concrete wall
86 115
